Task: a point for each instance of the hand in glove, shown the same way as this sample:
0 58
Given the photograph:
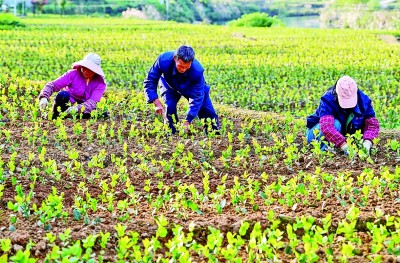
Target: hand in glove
72 109
345 149
367 145
43 103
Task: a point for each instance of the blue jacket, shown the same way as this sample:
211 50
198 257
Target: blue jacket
190 84
329 105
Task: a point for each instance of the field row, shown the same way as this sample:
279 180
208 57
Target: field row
124 189
280 70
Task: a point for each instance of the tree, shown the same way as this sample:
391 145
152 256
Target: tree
38 5
63 4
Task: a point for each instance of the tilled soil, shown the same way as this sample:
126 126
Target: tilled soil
141 168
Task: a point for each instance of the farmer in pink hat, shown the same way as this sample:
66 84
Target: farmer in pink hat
343 109
83 86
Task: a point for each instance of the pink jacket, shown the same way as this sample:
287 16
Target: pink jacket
87 95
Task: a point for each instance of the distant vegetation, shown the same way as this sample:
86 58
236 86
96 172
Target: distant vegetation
337 14
9 20
256 20
188 11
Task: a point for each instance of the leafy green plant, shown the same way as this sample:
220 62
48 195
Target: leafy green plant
5 245
256 20
23 201
9 20
110 175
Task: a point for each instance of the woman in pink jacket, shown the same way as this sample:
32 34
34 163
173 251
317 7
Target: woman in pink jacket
83 86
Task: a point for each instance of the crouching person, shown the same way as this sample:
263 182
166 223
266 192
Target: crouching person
343 109
180 75
83 86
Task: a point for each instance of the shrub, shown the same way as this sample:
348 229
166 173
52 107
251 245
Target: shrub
9 20
256 20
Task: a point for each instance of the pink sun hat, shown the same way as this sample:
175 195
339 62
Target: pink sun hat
91 61
346 89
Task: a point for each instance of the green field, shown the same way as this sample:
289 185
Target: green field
124 190
275 69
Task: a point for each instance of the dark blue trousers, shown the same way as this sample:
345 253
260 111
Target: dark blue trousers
61 102
171 98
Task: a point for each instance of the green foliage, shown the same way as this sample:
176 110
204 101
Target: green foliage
187 11
372 4
124 190
356 14
8 20
288 76
256 20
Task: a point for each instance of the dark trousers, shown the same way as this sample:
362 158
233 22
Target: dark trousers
171 98
61 102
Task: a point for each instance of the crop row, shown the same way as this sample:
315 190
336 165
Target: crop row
125 189
275 69
172 243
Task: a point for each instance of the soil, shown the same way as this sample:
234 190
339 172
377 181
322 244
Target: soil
141 167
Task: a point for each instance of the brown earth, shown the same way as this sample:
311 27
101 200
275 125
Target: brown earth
150 147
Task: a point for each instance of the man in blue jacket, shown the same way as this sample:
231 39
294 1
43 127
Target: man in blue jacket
179 74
